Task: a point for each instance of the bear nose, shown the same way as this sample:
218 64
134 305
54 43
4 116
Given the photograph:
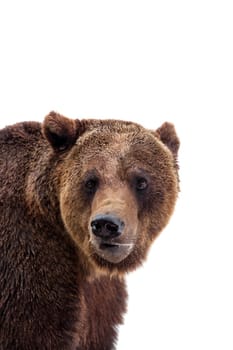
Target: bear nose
107 226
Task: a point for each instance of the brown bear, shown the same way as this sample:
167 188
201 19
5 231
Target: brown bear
81 203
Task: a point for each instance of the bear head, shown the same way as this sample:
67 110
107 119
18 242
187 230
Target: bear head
117 186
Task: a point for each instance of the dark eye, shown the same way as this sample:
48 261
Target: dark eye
141 184
91 184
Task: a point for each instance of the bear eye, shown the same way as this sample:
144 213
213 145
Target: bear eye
91 184
141 184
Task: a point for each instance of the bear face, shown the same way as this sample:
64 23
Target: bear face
118 185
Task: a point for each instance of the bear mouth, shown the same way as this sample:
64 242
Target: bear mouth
113 252
107 245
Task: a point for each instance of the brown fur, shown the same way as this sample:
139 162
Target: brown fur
59 290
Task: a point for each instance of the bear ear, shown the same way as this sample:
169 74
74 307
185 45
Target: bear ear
167 134
61 132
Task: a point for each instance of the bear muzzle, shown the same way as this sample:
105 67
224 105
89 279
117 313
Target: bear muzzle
106 231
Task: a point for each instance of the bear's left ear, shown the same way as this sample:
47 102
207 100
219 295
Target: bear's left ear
61 132
167 134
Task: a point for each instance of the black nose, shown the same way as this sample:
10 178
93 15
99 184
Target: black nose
107 226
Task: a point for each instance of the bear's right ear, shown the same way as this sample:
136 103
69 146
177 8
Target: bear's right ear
61 132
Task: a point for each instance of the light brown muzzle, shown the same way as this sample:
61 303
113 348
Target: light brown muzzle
113 224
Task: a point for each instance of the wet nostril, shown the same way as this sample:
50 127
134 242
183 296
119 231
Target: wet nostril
111 227
95 226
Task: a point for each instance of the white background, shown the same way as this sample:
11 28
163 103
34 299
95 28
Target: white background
145 61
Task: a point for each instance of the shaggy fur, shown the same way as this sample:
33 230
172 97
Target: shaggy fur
61 275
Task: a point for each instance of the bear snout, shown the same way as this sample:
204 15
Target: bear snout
107 226
109 238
